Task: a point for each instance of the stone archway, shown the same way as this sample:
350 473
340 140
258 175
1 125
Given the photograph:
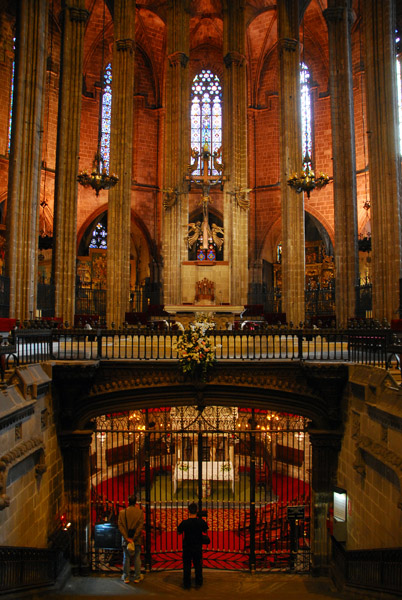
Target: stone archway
97 388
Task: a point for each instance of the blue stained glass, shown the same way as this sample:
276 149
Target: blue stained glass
10 118
99 236
206 112
106 114
307 143
399 87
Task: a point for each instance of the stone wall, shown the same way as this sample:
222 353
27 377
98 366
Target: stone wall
31 470
370 461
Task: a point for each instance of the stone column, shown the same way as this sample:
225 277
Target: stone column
339 17
68 141
325 450
236 213
177 148
293 267
75 448
121 163
25 158
384 158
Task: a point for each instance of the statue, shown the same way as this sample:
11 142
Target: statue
218 235
193 234
205 181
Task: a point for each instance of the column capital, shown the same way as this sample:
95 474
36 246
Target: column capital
81 438
289 44
178 58
77 14
335 14
234 58
125 44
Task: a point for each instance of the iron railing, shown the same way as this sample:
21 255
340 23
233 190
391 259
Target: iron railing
372 346
364 298
45 299
376 570
4 296
90 301
28 567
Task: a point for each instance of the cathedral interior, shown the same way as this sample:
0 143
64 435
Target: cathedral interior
173 168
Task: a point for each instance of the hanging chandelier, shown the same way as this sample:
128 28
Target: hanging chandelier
98 179
306 180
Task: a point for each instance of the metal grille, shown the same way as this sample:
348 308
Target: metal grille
248 471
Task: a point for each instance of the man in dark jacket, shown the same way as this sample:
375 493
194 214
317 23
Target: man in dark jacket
131 523
193 528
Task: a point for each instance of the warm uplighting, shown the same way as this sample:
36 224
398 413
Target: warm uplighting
98 179
306 180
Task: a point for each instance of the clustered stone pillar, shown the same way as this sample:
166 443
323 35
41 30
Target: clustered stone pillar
235 149
25 159
384 158
121 163
293 267
338 16
177 148
68 143
75 448
325 450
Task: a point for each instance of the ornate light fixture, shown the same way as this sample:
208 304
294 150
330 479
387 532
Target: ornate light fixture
306 180
98 179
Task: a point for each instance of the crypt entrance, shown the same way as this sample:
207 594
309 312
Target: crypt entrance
248 469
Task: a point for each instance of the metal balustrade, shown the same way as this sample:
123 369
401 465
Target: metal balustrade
28 567
372 346
378 569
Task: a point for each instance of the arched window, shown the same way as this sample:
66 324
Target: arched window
307 143
206 112
99 237
106 113
10 117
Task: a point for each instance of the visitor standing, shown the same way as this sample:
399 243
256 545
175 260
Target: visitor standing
131 523
193 529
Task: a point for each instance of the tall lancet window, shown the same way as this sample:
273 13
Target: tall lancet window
206 112
307 143
399 84
106 113
10 117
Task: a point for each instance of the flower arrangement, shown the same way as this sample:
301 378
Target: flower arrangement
195 351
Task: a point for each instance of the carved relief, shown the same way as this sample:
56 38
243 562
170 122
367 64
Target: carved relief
16 455
382 454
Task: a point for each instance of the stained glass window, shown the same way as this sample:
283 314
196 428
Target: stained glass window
10 118
206 112
99 237
307 144
399 85
106 114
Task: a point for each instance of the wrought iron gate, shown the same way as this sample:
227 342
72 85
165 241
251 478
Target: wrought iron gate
248 470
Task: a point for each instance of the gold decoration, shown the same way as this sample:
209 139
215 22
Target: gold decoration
306 180
98 179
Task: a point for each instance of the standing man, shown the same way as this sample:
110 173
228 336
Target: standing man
193 528
131 523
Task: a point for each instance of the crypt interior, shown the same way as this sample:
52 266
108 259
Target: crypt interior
165 162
